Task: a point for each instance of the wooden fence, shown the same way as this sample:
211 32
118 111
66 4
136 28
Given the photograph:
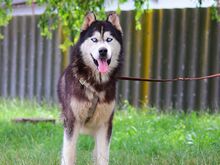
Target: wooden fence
172 43
29 64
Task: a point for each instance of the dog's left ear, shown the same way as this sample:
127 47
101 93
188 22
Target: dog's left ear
88 20
113 18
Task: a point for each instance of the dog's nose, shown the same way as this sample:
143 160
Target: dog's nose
103 52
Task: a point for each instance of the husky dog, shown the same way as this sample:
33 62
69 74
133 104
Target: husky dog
86 89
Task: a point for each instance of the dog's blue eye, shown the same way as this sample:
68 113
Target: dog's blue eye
94 39
109 39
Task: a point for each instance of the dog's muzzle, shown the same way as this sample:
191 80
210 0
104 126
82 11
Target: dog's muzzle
102 62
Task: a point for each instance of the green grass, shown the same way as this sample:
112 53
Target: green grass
139 138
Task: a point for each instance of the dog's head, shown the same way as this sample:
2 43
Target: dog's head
101 43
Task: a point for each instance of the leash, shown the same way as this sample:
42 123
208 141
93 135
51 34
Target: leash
169 80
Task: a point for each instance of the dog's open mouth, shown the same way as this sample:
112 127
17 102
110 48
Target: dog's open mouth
102 64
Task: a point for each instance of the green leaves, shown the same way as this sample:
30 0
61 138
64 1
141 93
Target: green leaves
139 11
215 15
5 12
67 14
215 12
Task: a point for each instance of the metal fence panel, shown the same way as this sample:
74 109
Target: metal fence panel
172 43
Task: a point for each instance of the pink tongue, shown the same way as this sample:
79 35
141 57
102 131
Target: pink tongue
103 66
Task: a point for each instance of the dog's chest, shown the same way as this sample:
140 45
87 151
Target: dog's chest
101 111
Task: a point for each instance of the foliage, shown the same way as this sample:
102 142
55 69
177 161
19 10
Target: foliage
68 15
140 11
215 15
139 137
5 13
215 11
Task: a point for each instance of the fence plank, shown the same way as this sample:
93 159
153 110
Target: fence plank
214 59
39 68
5 55
179 58
167 58
127 16
156 60
13 64
191 58
31 57
47 69
147 54
57 63
202 69
135 63
22 56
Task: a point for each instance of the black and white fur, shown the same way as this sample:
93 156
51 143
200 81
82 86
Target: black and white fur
82 80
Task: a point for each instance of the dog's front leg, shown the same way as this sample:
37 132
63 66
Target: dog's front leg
101 151
69 146
102 143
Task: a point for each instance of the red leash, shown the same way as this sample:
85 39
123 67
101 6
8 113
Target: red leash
169 80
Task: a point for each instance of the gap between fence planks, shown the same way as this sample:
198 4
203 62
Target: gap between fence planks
33 120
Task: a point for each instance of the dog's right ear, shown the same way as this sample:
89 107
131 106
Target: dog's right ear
88 20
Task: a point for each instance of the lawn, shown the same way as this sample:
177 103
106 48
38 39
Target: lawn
139 138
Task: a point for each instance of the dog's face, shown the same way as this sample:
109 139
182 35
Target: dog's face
101 43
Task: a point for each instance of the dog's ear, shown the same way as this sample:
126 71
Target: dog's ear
113 18
88 20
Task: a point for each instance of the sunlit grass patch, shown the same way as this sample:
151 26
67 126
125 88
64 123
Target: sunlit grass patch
140 137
